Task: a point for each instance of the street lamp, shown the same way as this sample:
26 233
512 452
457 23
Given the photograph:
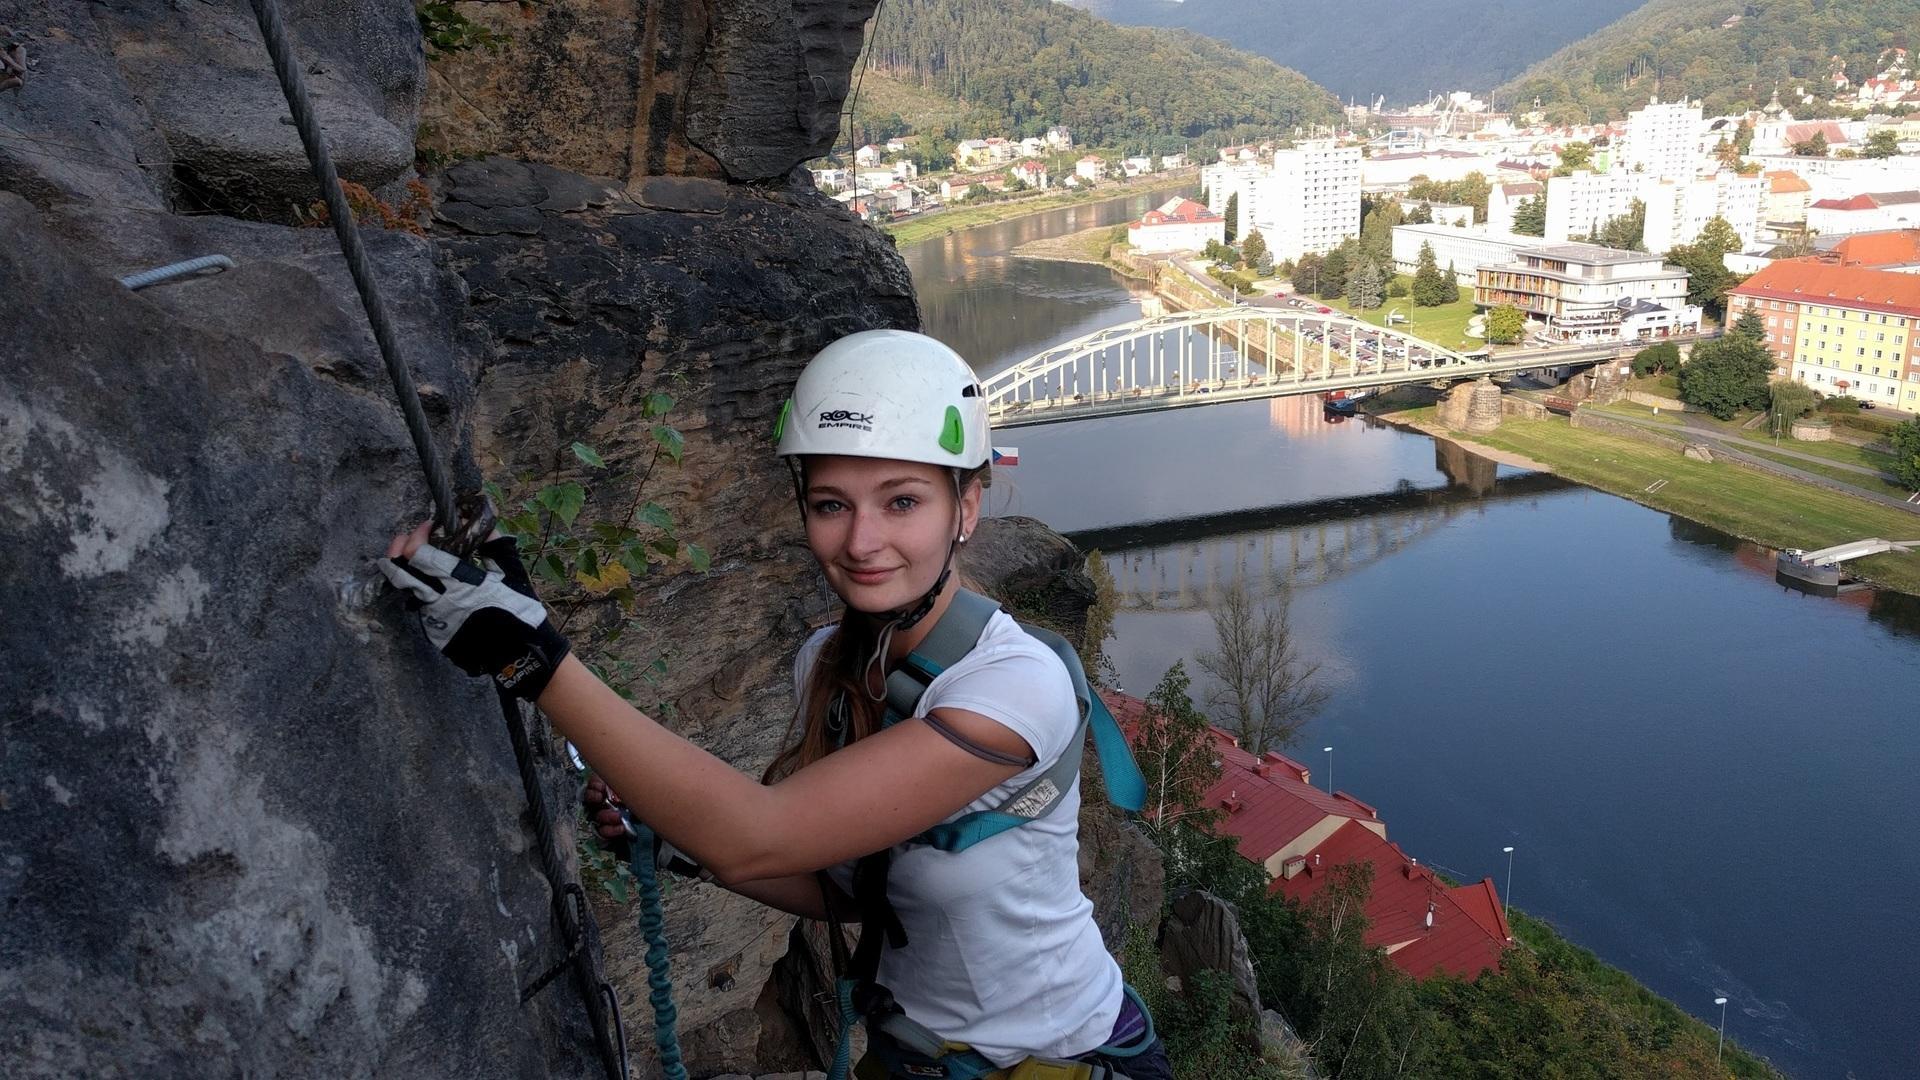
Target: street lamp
1506 898
1721 1045
1329 751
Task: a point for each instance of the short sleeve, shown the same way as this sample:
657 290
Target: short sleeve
803 660
1021 685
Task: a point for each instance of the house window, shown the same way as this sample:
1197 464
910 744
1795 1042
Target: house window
1856 367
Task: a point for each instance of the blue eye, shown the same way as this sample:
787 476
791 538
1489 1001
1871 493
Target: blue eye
903 503
828 506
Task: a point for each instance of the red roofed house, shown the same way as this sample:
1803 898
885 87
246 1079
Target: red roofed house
1799 133
1865 213
1784 200
1839 329
1177 225
1298 833
1031 173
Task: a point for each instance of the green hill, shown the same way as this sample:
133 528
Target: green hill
1728 53
1022 66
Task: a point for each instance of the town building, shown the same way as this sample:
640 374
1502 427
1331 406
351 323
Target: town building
1173 161
1032 147
831 179
1783 209
1090 168
1300 834
1579 204
905 169
868 155
1839 329
1465 251
1308 201
1031 173
1177 225
1897 250
1663 139
1865 213
1001 151
957 187
971 154
1457 215
1585 292
1136 166
896 145
1677 209
1394 172
1506 199
1059 138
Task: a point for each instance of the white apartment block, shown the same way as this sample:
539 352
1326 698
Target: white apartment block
1663 139
1584 292
1678 209
1309 201
1505 199
1578 205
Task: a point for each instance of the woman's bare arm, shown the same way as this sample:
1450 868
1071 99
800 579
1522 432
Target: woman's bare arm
878 792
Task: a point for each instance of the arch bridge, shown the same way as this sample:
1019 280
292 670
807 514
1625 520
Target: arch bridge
1191 358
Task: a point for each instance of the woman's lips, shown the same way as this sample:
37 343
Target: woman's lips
870 577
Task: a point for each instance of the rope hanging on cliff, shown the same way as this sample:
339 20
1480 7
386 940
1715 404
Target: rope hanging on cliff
463 530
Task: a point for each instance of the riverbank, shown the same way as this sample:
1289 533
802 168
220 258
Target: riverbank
971 215
1088 246
1762 507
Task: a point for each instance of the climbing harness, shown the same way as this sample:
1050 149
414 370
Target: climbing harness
461 524
899 1046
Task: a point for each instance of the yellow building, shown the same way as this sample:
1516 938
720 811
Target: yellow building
1840 329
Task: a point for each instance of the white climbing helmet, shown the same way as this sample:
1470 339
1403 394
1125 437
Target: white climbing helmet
887 394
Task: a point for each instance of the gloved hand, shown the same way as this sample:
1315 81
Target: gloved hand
486 619
611 822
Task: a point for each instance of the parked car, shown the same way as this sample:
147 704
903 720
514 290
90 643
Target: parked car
1325 310
1865 404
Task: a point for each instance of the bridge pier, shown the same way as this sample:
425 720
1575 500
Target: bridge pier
1472 407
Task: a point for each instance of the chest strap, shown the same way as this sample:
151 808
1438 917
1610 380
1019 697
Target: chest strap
952 638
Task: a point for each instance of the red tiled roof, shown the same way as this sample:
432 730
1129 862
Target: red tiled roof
1468 932
1805 281
1895 247
1829 130
1858 202
1786 182
1177 211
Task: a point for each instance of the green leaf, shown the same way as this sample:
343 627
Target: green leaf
589 563
563 500
670 440
549 568
494 493
588 454
657 516
658 405
698 556
667 546
609 533
634 558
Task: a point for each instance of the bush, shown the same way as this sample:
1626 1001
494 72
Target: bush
1906 454
1655 359
1398 289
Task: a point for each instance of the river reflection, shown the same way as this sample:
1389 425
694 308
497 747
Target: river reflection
1708 780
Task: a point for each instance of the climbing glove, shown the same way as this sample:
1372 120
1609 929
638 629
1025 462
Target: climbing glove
485 618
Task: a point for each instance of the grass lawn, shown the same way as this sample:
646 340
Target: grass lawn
1665 385
1768 509
1445 325
1845 476
1846 453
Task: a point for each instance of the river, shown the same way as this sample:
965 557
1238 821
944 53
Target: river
1707 780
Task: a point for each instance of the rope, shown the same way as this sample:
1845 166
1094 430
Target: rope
666 1033
577 926
843 1046
176 270
347 232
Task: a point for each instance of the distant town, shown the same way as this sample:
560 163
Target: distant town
1814 207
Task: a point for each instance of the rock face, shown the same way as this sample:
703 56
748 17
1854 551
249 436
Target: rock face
1202 934
741 90
244 817
173 105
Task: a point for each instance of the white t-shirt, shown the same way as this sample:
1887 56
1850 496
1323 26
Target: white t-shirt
1002 952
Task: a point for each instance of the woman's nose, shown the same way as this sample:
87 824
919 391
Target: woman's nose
864 534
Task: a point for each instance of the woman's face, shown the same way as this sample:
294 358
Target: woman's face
881 529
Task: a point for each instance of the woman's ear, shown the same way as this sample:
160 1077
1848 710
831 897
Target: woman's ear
970 497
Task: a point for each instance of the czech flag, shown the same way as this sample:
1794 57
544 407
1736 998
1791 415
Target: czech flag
1006 455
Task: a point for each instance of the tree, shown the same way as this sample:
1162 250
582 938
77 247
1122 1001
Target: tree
1530 217
1788 401
1432 287
1575 155
1333 274
1254 248
1704 260
1366 286
1264 689
1233 217
1421 214
1881 144
1306 272
1750 326
1626 232
1506 325
1376 230
1906 454
1655 359
1813 147
1727 376
1174 749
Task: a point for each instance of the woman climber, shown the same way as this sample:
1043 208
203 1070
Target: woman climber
896 804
